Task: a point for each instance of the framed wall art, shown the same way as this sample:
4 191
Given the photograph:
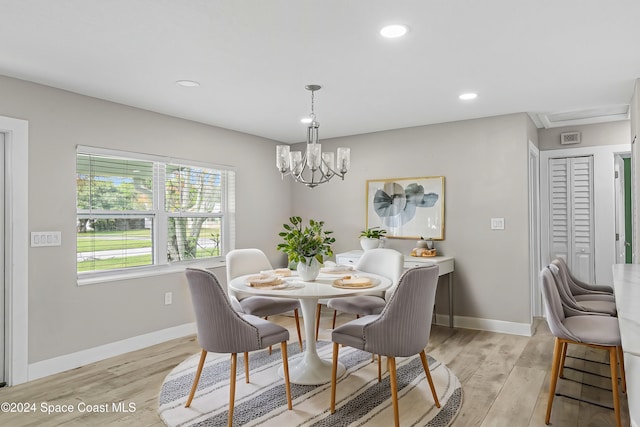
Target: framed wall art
407 207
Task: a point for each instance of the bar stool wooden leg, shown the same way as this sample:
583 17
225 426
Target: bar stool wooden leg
623 377
564 356
555 368
613 361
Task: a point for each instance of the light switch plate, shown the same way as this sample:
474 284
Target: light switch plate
497 223
45 238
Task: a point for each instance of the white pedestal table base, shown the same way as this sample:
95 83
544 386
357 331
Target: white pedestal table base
311 370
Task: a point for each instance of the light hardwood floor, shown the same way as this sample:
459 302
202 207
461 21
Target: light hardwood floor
505 380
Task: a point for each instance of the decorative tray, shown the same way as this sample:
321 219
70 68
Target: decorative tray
421 252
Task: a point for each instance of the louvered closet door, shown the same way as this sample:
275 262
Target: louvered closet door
571 204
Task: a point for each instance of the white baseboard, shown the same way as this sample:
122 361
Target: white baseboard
524 329
70 361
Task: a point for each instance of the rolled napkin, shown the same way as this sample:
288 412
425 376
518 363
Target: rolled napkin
282 272
336 268
263 280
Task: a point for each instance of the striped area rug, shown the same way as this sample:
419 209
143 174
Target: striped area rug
360 399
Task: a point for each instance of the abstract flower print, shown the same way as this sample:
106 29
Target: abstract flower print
396 206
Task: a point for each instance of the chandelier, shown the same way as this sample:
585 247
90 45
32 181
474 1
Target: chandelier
313 167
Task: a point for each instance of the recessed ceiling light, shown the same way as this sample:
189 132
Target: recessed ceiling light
468 96
187 83
393 31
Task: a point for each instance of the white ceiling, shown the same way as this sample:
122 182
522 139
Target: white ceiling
254 57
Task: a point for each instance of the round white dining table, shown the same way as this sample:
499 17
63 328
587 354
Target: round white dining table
311 369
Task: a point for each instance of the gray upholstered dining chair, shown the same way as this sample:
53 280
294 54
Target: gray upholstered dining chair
248 261
595 331
221 329
402 329
580 290
586 304
381 261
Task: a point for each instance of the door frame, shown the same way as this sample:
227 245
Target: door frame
16 133
534 230
604 204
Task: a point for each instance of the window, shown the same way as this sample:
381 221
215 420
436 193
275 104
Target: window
136 211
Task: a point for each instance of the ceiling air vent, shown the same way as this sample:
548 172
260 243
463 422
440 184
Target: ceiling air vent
570 138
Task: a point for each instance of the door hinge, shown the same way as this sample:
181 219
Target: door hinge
616 175
617 237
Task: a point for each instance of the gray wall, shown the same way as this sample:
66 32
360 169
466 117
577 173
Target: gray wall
610 133
484 163
65 318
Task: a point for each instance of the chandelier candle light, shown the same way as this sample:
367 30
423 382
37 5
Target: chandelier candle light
314 167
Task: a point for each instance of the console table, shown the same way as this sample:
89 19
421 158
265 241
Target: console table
445 264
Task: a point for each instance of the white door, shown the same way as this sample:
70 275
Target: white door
571 214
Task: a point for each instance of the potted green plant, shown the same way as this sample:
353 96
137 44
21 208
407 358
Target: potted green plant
307 245
371 237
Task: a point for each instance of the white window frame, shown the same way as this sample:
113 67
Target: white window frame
160 229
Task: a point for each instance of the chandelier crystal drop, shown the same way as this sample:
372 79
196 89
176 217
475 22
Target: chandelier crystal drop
313 167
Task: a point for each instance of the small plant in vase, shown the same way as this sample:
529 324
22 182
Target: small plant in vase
307 245
371 237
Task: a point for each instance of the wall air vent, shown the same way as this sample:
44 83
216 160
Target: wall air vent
570 138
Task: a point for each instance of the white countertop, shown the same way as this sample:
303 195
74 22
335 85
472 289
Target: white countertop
626 283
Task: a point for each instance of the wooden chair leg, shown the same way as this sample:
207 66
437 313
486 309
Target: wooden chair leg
295 314
246 367
335 313
203 356
267 318
285 369
623 378
613 361
232 387
562 359
379 368
555 368
391 361
318 311
425 365
334 375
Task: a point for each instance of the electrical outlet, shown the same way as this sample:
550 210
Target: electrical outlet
168 298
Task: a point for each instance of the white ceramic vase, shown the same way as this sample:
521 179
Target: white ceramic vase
308 269
368 243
